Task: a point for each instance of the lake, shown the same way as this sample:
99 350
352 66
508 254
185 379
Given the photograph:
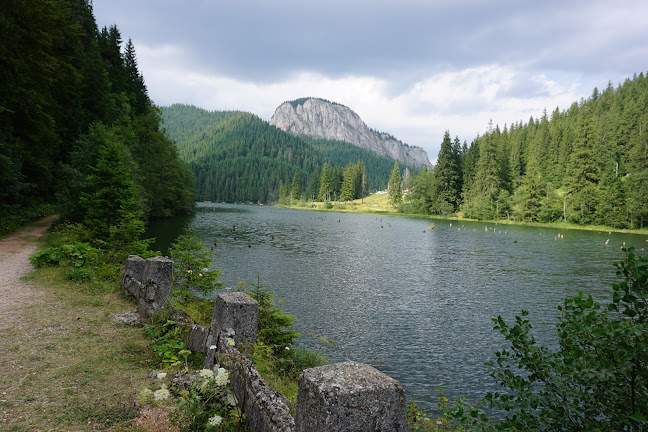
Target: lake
414 302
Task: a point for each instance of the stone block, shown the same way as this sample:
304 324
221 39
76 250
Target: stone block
133 276
238 311
196 338
265 410
349 396
158 278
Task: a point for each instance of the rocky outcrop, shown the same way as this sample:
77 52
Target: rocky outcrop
324 119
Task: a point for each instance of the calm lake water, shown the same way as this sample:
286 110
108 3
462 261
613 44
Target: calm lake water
416 303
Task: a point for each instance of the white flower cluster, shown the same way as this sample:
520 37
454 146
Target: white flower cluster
215 421
161 375
207 373
144 396
162 394
231 399
222 377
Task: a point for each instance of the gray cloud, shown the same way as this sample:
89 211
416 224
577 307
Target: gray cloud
534 55
264 41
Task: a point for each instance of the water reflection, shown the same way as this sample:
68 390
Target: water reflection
415 303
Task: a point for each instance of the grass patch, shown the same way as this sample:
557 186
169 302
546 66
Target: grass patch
378 204
75 369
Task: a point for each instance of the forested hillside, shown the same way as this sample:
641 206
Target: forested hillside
587 165
236 156
69 93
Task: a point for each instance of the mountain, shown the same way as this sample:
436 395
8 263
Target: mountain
236 156
330 120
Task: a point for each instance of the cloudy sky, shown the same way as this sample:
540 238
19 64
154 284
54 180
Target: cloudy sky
413 68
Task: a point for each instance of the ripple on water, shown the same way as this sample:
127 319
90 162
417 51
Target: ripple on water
417 306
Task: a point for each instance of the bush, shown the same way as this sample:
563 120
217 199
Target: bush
191 273
275 327
167 340
596 378
66 255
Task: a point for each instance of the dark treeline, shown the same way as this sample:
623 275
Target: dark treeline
72 96
236 156
585 165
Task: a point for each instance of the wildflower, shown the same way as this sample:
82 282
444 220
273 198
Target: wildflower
144 396
230 342
212 347
205 269
189 271
287 348
207 373
200 274
162 394
222 377
231 399
215 421
161 375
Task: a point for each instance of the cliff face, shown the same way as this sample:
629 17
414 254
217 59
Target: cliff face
320 118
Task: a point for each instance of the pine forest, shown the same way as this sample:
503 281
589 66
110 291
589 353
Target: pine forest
73 105
586 165
238 157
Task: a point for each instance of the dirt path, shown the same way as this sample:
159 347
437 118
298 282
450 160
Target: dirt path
64 365
15 251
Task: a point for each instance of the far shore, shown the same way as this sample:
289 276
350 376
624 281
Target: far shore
377 204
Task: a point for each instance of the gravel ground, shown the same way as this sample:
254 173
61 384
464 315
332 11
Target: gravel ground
15 251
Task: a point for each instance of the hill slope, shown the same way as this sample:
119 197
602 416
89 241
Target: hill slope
236 156
330 120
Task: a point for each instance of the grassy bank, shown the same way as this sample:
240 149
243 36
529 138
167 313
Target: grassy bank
378 204
66 365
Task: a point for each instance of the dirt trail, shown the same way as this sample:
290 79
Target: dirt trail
15 251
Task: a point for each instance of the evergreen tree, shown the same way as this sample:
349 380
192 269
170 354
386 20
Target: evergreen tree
325 185
395 194
487 182
296 191
110 203
447 175
347 192
583 169
314 186
363 182
134 81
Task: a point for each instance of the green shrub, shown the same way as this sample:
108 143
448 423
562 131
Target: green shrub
595 379
65 255
167 341
79 274
192 275
275 327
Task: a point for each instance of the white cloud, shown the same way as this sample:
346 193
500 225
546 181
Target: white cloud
461 101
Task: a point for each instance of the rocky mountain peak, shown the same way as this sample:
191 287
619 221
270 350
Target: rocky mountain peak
330 120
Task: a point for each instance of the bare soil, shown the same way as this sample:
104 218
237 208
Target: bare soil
15 251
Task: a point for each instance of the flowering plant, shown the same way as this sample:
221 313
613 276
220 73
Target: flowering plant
205 401
203 398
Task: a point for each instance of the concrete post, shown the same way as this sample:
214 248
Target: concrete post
349 396
156 289
237 311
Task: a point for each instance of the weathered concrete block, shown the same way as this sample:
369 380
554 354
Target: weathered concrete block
349 396
196 338
238 311
133 276
158 278
265 410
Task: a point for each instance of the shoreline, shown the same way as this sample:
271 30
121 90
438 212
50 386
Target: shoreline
357 207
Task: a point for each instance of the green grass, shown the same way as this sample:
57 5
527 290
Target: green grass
66 365
377 204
